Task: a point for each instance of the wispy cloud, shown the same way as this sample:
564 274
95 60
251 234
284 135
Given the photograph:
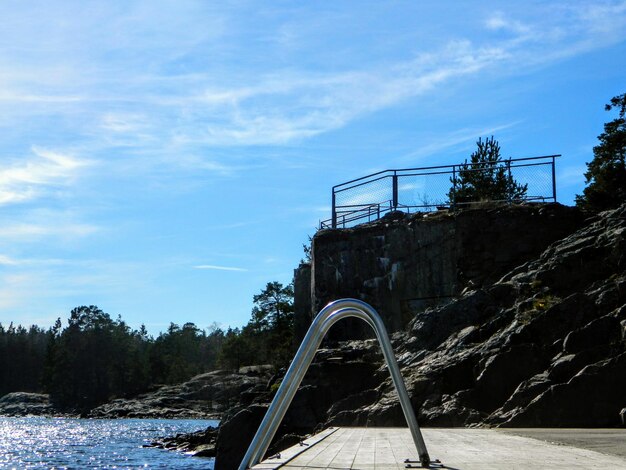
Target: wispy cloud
40 173
559 30
14 288
26 232
305 106
572 175
457 139
124 122
42 262
170 99
8 261
19 98
219 268
498 21
288 105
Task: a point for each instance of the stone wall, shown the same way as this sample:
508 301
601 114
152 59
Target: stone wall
403 263
302 306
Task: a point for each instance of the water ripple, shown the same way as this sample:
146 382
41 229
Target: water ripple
63 443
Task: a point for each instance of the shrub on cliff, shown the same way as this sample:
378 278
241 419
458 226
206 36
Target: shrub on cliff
606 173
486 177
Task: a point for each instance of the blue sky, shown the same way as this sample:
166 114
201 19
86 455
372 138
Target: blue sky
165 160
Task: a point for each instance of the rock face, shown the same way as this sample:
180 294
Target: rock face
403 264
204 396
543 344
26 404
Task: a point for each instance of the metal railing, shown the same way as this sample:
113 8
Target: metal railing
429 188
326 318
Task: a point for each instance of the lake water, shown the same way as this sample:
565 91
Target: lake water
64 443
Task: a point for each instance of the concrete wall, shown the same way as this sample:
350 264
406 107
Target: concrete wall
403 263
302 301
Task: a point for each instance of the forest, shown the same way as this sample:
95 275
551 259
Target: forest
95 358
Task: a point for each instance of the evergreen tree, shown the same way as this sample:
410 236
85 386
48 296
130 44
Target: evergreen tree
274 310
238 349
606 173
485 178
268 336
22 358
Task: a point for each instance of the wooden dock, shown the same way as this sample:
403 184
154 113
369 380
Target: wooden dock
457 449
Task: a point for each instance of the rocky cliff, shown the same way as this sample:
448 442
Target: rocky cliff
537 338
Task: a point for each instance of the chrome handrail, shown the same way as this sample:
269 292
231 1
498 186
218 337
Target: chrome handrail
326 318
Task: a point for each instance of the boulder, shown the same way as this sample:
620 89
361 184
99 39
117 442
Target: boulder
235 436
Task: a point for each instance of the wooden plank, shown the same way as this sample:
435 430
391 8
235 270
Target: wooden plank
467 449
292 452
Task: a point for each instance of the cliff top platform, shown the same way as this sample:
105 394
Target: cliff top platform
457 449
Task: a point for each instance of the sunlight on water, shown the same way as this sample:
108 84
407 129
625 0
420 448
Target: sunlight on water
80 443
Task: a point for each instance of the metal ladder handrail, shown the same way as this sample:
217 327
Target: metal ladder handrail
326 318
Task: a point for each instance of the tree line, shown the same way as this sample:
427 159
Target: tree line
95 358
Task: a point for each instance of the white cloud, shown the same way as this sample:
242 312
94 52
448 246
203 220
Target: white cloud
29 231
498 21
219 268
7 261
456 139
37 175
287 106
571 175
43 262
558 31
14 288
21 98
124 122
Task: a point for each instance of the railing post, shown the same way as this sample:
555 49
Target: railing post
395 190
508 169
553 179
453 202
334 217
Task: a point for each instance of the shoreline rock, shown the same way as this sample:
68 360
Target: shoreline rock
199 443
205 396
16 404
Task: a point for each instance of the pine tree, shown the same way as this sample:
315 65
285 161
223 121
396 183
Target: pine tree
606 173
486 177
